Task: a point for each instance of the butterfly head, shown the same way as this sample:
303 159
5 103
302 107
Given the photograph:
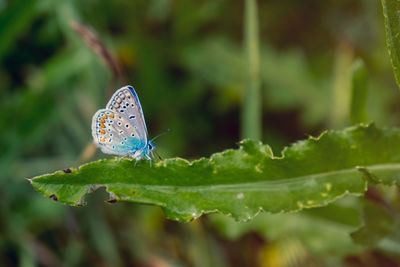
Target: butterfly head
150 146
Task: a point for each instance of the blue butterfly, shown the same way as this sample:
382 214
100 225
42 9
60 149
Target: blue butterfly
120 129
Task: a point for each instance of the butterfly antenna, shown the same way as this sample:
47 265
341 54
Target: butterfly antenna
160 135
160 158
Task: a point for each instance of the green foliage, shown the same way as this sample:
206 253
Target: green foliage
313 227
380 216
392 25
379 223
242 182
191 75
15 21
279 94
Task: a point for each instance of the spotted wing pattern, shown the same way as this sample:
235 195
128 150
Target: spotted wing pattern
120 128
126 103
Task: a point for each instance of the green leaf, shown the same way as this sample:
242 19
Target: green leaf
244 181
392 26
320 235
381 218
379 223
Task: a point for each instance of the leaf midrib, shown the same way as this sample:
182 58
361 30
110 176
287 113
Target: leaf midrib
273 185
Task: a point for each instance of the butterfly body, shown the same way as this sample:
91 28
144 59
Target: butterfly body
120 128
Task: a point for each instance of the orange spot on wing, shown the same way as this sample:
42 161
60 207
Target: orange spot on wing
105 116
103 140
102 132
102 126
111 115
102 120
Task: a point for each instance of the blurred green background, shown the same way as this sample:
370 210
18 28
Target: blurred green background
186 62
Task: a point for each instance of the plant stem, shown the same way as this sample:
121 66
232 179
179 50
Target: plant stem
359 90
341 87
251 110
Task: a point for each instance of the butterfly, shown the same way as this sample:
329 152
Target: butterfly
120 129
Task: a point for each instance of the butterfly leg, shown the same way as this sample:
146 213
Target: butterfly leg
148 158
119 159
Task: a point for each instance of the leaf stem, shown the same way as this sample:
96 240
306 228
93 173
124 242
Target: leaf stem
341 87
359 90
251 110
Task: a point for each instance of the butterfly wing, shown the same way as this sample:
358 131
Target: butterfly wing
120 128
114 134
126 103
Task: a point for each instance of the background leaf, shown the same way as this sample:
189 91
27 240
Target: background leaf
313 227
381 218
392 25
